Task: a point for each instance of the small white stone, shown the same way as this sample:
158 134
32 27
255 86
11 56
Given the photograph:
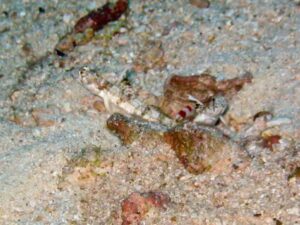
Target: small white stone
157 34
36 133
123 30
23 13
67 18
131 54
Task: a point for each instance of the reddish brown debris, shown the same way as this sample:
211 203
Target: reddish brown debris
269 141
200 3
202 87
99 106
120 125
198 148
97 19
85 28
232 86
135 207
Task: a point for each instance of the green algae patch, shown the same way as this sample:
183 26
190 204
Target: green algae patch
83 168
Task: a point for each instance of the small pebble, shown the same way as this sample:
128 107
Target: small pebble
99 106
67 18
200 3
198 148
123 30
137 205
22 14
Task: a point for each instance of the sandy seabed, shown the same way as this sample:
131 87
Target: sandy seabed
60 165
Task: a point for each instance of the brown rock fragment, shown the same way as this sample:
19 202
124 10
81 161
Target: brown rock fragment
130 129
99 106
200 3
204 88
295 173
231 86
136 206
41 117
87 25
198 148
98 18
